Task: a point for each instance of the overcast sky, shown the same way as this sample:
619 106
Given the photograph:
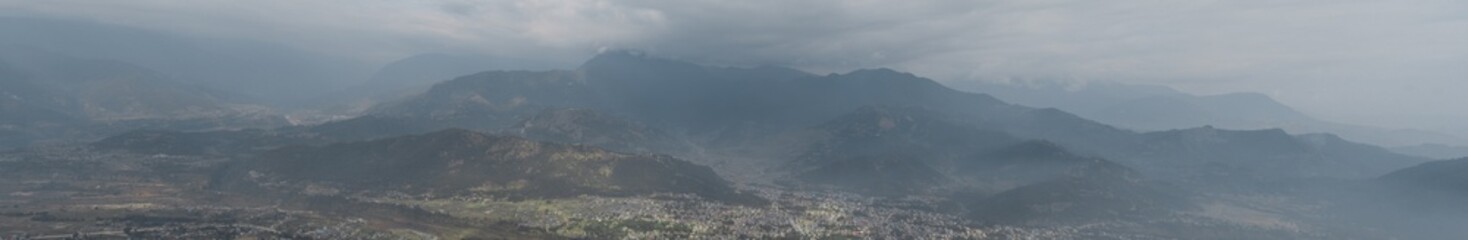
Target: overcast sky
1384 62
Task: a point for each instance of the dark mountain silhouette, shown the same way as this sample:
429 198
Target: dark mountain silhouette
457 161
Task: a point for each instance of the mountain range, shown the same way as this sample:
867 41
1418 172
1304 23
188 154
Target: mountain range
701 112
628 125
1155 108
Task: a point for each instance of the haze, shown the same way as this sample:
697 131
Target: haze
704 119
1396 64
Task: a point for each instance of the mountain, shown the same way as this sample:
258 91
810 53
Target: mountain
873 145
632 102
458 162
726 111
1447 175
1420 202
217 143
886 149
1105 192
107 90
415 74
897 150
839 127
429 68
1152 108
1212 157
27 104
490 100
1025 163
589 127
712 104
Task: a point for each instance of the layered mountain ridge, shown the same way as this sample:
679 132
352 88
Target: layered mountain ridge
1156 108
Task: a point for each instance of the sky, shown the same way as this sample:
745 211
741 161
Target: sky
1394 63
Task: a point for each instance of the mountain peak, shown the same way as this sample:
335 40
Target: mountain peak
629 58
884 80
880 72
885 74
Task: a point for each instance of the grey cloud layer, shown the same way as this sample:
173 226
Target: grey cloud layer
1355 59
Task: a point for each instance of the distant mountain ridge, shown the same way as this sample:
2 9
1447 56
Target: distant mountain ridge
47 96
1153 108
1447 175
900 150
413 75
1438 151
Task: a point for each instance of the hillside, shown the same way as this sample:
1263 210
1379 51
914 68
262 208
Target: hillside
589 127
1447 175
459 162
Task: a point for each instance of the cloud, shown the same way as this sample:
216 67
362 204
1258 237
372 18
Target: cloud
1318 54
377 29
